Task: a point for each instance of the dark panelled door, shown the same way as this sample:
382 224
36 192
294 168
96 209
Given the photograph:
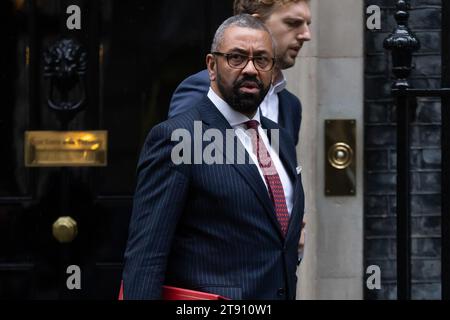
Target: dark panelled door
84 66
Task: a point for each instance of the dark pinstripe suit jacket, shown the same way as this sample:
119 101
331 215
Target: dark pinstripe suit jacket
193 88
209 227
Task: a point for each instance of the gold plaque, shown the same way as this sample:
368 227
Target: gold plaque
66 148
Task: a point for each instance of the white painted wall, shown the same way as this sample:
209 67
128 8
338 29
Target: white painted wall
328 77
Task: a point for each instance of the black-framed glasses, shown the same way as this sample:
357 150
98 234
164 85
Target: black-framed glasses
240 61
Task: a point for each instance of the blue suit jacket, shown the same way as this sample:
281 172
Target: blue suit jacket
195 87
209 227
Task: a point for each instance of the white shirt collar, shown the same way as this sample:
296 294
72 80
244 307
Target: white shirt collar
279 86
233 117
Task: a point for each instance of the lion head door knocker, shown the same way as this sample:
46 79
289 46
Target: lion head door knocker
65 65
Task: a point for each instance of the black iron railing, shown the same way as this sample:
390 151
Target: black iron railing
446 150
403 43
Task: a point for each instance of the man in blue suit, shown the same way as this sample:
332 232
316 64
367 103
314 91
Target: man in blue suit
288 21
225 227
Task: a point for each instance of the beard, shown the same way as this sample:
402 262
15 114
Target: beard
245 103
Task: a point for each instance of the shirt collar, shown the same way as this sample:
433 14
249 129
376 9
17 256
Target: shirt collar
280 85
233 117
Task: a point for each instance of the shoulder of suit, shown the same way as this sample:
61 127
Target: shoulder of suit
187 119
289 95
184 120
199 79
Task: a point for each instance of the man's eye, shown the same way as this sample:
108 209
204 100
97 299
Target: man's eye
262 61
236 59
294 24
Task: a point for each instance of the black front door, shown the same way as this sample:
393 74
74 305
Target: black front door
83 66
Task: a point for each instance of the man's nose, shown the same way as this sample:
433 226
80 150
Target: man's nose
305 33
250 68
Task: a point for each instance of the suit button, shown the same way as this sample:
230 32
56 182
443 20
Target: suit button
281 292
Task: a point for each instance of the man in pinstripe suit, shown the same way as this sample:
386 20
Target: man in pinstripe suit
226 228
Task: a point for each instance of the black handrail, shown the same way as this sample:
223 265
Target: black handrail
445 174
403 43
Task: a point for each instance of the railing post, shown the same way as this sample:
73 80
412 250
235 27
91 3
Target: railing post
402 43
445 235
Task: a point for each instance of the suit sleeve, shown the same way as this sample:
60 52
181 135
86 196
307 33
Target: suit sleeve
158 203
189 93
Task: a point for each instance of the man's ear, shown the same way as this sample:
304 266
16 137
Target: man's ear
211 66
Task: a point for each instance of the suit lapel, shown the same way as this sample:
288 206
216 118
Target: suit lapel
281 111
212 117
288 158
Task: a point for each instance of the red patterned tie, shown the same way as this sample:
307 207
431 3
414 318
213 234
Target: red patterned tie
271 176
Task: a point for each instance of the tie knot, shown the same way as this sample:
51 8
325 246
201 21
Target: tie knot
252 124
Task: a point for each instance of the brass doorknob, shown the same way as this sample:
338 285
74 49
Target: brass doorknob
65 229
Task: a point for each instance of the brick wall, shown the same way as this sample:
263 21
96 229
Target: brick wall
380 154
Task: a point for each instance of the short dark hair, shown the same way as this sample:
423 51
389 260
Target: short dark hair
240 20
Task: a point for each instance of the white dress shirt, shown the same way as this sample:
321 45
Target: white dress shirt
237 122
